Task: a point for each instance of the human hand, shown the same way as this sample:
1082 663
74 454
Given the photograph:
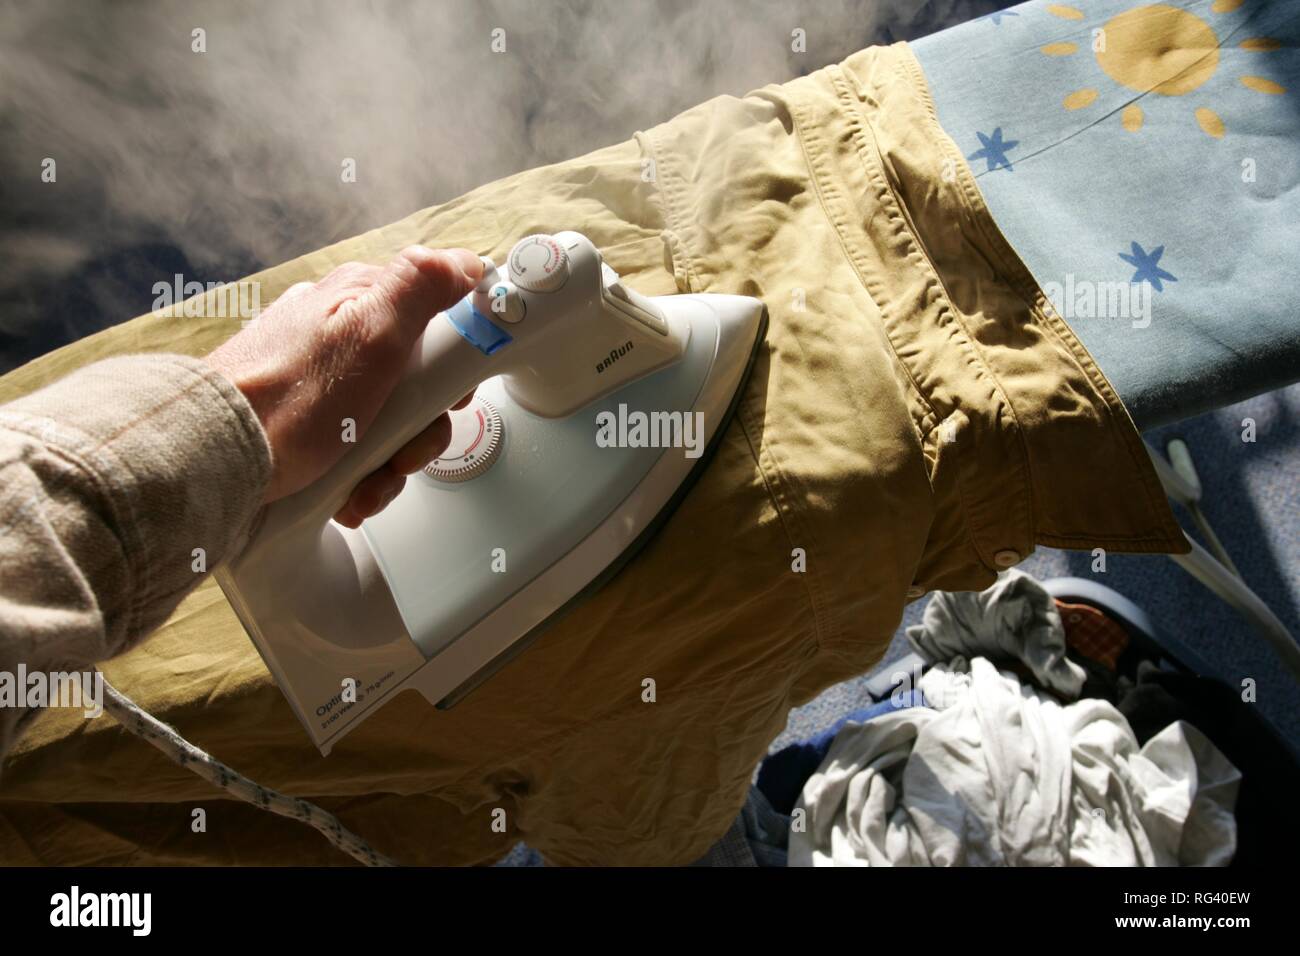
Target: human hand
334 349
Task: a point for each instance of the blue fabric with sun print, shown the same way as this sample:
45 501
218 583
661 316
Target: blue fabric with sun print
1144 161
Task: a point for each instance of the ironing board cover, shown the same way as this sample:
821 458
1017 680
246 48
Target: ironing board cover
1118 143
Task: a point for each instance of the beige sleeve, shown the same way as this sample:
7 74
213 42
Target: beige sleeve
120 485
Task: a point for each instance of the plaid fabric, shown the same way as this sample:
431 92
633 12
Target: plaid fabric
1093 634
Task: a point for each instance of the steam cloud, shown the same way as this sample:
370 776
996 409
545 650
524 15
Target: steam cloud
218 163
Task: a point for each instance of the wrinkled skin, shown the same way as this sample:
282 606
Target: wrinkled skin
333 350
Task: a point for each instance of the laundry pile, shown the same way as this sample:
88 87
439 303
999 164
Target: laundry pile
1020 747
996 772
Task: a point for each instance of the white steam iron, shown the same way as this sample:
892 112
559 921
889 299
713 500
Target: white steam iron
595 408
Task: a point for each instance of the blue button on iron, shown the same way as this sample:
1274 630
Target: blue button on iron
476 328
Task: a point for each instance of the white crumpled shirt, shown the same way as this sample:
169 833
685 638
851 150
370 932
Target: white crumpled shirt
998 773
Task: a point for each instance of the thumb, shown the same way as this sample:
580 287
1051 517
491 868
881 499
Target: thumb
421 282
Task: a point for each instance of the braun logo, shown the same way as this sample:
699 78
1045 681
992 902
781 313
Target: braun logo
613 356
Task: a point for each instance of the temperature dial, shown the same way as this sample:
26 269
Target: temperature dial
476 436
539 264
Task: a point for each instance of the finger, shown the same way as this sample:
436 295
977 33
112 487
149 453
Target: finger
464 401
420 282
371 495
423 448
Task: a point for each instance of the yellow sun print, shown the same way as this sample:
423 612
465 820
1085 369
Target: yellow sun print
1160 49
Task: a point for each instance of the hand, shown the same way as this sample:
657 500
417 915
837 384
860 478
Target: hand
334 349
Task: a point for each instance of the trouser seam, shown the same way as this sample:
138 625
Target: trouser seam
1024 284
890 203
676 229
950 318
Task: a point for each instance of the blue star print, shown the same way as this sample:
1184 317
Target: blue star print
994 151
1146 265
997 17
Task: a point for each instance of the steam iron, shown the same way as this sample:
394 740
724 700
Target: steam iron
595 408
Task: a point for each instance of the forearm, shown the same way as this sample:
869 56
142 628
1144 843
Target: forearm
120 485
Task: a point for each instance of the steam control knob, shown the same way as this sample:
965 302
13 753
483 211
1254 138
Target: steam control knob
539 264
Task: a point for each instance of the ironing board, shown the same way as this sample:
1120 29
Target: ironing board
1141 160
1145 145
